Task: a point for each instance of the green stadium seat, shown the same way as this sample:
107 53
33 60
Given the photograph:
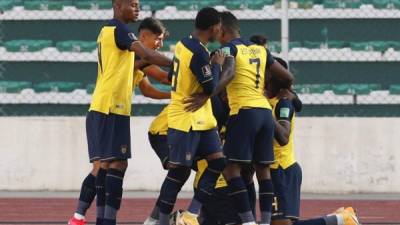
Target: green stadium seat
396 4
153 5
6 5
27 45
394 89
375 87
305 4
56 86
90 88
186 5
360 46
294 44
209 3
46 5
162 87
394 44
353 4
93 4
275 46
334 4
381 4
14 86
76 46
361 89
258 4
342 89
312 44
336 44
366 1
380 46
312 88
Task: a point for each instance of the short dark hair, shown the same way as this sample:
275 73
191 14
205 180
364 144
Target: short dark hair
206 18
229 22
259 39
153 25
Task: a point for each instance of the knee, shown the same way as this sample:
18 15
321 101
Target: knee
121 165
179 173
263 172
217 165
232 170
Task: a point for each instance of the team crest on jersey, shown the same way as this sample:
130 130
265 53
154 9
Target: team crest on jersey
284 112
188 156
124 149
132 36
206 70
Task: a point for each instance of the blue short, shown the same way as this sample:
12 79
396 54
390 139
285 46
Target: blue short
108 136
185 146
249 136
287 185
159 144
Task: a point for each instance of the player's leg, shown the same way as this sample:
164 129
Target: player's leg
101 192
183 147
113 188
263 157
238 150
116 142
247 173
86 197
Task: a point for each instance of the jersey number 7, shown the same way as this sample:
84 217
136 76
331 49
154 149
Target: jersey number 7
257 62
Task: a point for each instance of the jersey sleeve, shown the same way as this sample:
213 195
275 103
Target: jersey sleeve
204 72
123 37
229 49
270 59
284 110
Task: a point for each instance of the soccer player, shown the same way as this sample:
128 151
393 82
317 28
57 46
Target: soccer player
192 132
250 127
107 122
285 171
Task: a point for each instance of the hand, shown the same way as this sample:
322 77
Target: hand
218 57
286 93
195 102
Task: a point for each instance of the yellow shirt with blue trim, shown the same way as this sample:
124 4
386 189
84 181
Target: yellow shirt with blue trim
191 72
283 109
114 85
246 90
159 126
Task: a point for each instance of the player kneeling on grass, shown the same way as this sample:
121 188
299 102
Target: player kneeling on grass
286 172
110 112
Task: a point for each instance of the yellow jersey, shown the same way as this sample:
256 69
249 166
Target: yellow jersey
191 71
159 126
246 90
283 109
114 85
201 167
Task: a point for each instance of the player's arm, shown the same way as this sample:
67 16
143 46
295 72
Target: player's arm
207 75
148 90
227 74
157 73
149 55
279 72
283 113
292 96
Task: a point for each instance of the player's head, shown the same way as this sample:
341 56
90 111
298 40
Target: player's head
259 40
230 28
152 33
274 85
126 10
208 20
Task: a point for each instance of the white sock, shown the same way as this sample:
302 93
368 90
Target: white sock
340 220
79 216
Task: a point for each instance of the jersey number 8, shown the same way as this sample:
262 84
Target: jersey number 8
175 74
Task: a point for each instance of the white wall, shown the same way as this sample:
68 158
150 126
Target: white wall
338 155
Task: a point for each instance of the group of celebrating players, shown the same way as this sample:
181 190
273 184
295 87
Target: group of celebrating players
231 115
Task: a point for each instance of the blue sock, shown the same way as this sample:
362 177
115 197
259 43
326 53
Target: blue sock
101 195
266 193
251 191
207 182
317 221
170 188
113 184
238 192
88 192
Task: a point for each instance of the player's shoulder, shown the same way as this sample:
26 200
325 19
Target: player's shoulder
121 28
194 45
